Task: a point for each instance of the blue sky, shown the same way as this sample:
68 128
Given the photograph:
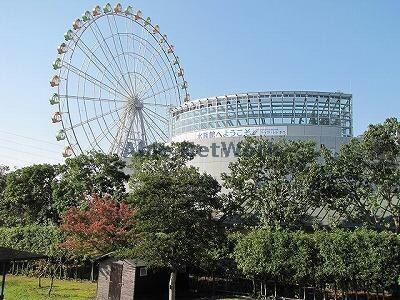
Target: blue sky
226 46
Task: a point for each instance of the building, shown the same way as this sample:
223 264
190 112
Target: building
218 124
129 279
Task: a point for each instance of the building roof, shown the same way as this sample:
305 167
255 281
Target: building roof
9 254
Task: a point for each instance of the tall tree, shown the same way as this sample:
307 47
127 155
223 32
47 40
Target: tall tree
27 196
275 181
101 228
382 151
174 225
86 174
346 191
3 174
364 178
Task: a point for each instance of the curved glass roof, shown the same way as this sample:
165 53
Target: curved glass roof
265 108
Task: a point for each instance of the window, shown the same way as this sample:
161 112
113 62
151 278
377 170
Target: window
142 271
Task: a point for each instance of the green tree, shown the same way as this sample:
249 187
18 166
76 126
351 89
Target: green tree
3 174
346 190
87 174
382 151
364 178
275 181
27 196
335 252
271 254
174 225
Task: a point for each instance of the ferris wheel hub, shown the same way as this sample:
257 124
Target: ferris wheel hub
135 103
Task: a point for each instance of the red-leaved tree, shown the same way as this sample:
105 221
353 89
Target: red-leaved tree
101 228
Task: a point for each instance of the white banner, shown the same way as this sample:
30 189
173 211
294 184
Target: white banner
232 132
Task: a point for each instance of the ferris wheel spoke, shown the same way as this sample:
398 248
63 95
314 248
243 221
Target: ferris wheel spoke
93 119
156 115
134 62
109 50
120 132
101 137
91 79
149 129
160 92
104 69
119 64
142 46
155 60
152 131
144 91
151 118
90 98
123 54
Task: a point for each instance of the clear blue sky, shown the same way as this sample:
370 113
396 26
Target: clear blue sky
226 46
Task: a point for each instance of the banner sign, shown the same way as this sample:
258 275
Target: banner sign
232 133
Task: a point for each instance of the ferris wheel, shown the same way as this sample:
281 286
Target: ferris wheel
117 79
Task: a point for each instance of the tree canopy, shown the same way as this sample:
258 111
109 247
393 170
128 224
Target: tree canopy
276 181
87 174
102 228
27 196
358 260
363 179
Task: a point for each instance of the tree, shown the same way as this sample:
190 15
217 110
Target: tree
365 177
27 196
174 225
346 190
102 228
382 151
82 176
3 175
276 181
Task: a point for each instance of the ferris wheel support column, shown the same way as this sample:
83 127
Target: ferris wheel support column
136 135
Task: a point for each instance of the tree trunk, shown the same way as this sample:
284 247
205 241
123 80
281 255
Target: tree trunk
261 287
171 287
92 271
335 292
254 287
53 274
265 289
275 289
213 286
397 224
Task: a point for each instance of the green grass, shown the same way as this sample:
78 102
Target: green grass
24 288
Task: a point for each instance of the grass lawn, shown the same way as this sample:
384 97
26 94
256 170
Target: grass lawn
24 288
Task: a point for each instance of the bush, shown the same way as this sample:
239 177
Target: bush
33 238
362 259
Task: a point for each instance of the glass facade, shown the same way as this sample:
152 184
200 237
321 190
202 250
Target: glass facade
269 108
